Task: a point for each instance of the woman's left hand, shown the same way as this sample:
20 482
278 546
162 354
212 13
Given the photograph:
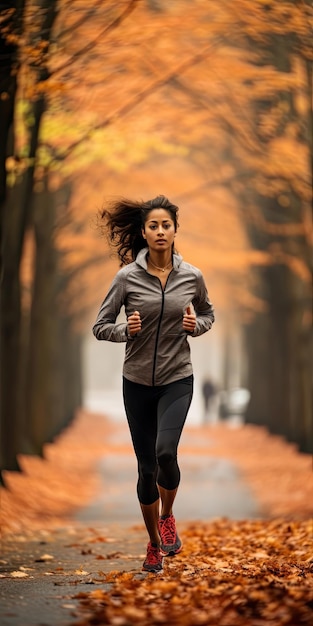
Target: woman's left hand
189 320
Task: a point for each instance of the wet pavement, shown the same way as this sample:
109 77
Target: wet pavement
40 578
40 575
210 487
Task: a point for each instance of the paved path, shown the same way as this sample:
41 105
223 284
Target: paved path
39 577
210 487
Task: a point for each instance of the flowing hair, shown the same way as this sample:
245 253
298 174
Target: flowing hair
122 221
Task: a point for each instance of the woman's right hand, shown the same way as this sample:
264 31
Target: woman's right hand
134 323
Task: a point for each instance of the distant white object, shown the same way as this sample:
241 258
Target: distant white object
234 402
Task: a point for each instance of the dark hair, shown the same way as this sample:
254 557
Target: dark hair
122 221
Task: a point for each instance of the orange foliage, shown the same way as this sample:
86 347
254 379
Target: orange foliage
236 574
144 102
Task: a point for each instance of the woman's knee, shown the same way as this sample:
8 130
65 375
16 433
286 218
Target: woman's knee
147 490
166 457
147 469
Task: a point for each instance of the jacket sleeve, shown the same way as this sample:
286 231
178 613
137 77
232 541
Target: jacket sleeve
105 327
203 308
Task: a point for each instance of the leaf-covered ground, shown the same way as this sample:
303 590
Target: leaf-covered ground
50 489
280 476
229 573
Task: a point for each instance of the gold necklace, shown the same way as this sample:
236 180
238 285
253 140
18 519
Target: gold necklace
162 269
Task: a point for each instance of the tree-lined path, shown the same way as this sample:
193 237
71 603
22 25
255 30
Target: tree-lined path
130 97
209 103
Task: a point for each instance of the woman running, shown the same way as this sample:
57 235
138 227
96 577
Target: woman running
165 301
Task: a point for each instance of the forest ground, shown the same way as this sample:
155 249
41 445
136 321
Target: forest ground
70 524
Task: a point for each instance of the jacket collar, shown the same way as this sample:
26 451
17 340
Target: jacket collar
141 259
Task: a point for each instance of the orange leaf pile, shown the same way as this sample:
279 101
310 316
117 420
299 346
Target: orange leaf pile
278 473
50 490
245 573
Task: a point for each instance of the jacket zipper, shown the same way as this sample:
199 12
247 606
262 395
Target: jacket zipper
158 330
157 341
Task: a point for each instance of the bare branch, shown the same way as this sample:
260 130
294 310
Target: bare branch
129 9
90 13
139 97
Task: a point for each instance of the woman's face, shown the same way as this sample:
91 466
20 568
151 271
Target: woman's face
159 230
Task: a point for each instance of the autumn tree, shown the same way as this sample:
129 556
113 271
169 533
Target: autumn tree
130 91
16 219
40 351
280 223
222 106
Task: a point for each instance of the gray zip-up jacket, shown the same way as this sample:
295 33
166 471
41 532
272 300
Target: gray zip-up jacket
160 352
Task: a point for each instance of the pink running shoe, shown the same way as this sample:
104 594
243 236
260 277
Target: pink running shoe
154 560
170 541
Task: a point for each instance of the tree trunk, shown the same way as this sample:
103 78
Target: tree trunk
42 395
278 347
256 342
284 357
71 346
54 368
15 220
9 437
10 320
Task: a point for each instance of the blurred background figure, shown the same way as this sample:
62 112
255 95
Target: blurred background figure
210 396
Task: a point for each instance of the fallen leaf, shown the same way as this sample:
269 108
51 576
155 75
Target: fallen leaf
44 557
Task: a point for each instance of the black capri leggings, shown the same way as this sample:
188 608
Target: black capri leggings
156 416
